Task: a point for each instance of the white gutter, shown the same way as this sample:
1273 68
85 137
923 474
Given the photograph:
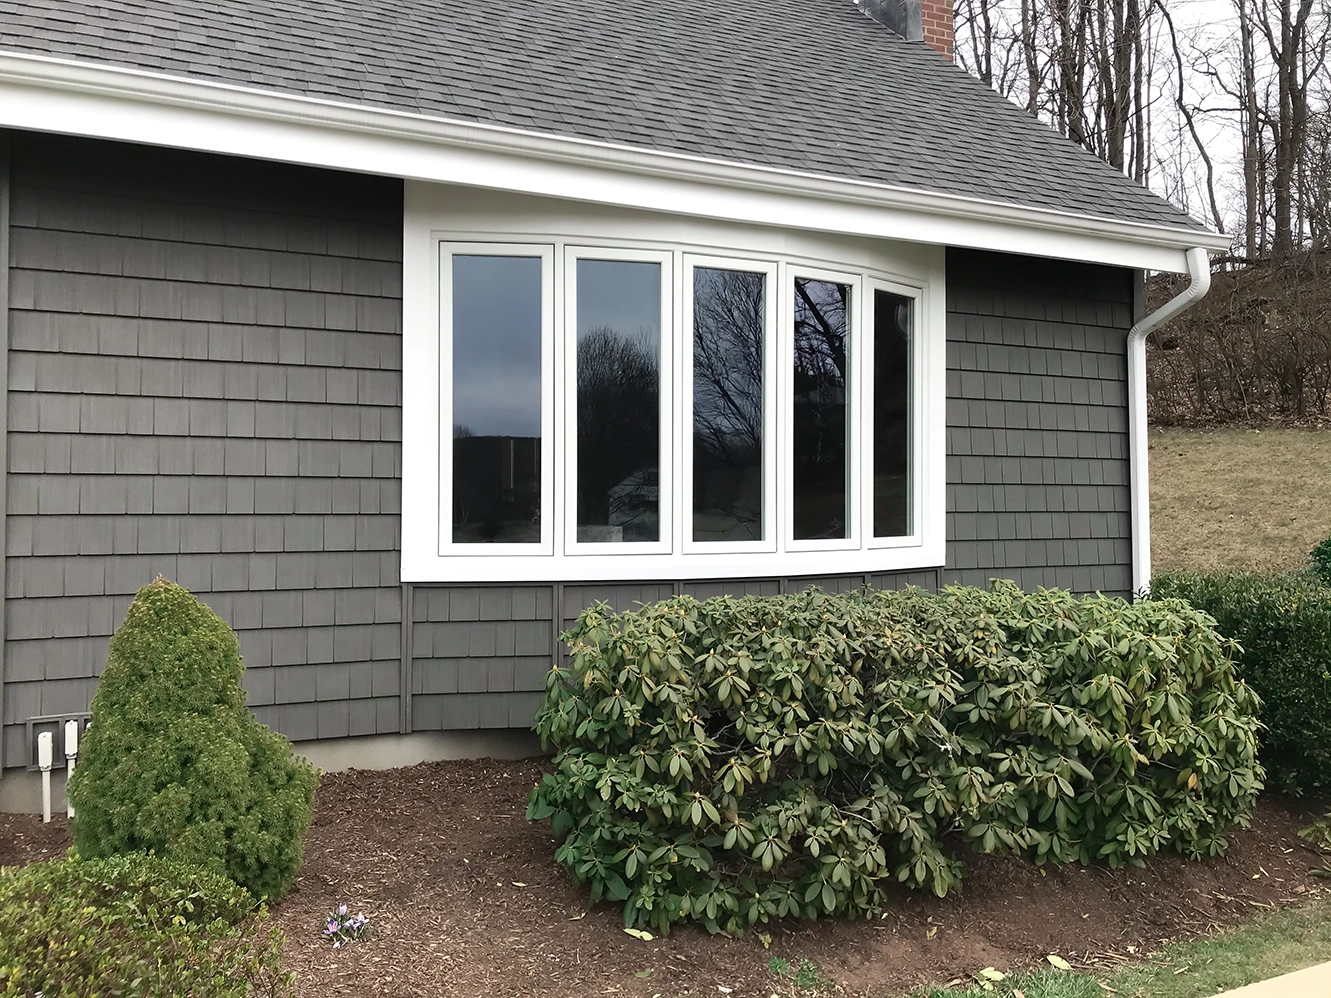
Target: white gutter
99 100
1199 272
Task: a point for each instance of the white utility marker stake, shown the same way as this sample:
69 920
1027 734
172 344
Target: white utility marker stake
45 754
71 756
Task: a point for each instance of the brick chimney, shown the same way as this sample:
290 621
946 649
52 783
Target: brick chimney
929 21
936 18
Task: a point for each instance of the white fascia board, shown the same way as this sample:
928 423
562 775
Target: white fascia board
77 98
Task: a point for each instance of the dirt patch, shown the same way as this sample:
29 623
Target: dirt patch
467 900
23 838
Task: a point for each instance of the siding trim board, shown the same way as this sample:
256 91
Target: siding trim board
404 686
4 408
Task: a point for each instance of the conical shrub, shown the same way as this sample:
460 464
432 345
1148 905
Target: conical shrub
175 763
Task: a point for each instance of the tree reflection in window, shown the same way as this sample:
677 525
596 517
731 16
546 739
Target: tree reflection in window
619 401
728 331
819 423
891 414
497 384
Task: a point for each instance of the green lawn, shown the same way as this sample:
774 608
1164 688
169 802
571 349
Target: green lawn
1238 498
1267 947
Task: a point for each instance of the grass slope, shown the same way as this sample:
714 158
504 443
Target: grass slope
1268 947
1232 498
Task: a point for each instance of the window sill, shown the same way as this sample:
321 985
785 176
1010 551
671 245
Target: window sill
422 567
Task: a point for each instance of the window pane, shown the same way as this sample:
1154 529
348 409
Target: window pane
496 399
821 495
619 400
728 332
891 414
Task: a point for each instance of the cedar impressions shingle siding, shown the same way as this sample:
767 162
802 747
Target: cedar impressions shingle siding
205 383
808 85
1037 474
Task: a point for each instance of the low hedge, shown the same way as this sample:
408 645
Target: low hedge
737 760
1283 623
1320 557
133 925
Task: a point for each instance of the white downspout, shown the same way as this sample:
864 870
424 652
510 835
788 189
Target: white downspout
1199 270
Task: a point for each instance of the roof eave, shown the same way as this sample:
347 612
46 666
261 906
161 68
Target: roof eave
99 100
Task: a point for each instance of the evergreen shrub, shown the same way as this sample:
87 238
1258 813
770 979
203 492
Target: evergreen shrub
737 760
1320 557
133 926
1283 623
174 763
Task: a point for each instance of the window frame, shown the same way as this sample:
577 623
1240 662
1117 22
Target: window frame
448 250
772 506
438 216
568 415
916 422
854 404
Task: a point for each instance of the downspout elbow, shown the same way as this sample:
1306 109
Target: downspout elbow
1199 274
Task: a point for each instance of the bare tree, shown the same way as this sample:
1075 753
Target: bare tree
1284 24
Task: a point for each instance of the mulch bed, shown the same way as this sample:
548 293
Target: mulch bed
466 900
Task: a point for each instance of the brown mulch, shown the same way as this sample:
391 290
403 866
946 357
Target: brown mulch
467 900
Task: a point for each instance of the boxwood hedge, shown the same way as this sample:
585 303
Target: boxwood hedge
1283 625
737 760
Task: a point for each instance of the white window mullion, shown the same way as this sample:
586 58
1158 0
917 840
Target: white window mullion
560 399
682 435
864 449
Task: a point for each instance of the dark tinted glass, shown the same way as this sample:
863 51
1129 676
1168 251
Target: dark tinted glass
821 496
496 399
891 414
619 401
728 327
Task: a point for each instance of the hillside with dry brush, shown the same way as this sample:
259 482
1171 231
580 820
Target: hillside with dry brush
1256 351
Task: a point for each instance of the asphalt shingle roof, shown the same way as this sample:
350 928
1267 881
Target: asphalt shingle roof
807 85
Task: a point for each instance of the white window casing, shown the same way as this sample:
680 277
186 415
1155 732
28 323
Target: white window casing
442 222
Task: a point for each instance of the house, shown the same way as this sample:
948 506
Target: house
400 331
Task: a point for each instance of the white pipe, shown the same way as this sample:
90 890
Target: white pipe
1199 272
45 757
71 757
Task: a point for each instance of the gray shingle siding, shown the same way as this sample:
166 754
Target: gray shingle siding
480 654
204 382
1038 478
